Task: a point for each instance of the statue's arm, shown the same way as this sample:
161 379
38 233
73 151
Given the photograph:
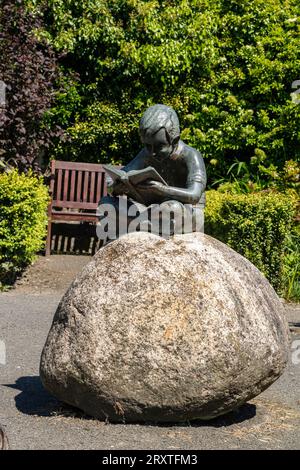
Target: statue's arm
195 184
190 195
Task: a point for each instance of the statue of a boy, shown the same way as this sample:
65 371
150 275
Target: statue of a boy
181 167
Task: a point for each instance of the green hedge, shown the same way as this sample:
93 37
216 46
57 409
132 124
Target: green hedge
256 225
291 266
23 219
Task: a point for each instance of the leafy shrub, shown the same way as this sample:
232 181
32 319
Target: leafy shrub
240 178
256 225
29 70
226 66
291 266
23 219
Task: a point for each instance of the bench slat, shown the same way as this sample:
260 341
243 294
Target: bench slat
77 166
79 186
59 185
74 204
92 188
104 185
85 186
72 189
75 217
66 185
99 183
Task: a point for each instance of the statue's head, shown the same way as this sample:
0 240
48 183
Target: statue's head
159 130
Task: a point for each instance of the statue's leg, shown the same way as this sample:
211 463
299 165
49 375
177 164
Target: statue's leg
198 218
172 217
108 214
167 218
119 216
137 217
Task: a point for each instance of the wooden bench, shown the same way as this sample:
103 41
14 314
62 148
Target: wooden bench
75 190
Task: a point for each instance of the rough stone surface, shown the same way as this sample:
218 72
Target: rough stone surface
165 330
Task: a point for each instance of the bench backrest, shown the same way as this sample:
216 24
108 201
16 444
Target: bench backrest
77 185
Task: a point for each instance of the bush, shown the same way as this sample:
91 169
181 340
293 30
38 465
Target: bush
291 266
23 219
255 225
227 67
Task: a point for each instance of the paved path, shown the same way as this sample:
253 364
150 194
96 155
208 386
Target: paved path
35 420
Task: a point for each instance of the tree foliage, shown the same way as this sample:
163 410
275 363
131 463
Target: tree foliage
226 67
29 70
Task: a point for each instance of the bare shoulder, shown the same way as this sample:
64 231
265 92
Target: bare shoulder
191 154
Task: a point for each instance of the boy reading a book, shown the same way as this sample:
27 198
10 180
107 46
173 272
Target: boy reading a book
180 166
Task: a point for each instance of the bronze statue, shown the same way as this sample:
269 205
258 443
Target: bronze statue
167 175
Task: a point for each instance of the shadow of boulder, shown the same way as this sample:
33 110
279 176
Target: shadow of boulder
35 400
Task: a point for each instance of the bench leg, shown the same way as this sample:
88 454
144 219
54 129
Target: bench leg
48 241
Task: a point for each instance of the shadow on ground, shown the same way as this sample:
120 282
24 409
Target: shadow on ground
74 238
35 400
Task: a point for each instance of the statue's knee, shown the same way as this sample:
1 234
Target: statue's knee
198 219
172 206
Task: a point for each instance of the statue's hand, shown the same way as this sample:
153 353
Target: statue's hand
151 185
118 188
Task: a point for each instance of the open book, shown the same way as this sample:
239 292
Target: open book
131 180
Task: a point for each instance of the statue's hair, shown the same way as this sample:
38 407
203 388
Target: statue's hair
159 117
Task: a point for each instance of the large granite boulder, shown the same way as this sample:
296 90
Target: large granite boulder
165 330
